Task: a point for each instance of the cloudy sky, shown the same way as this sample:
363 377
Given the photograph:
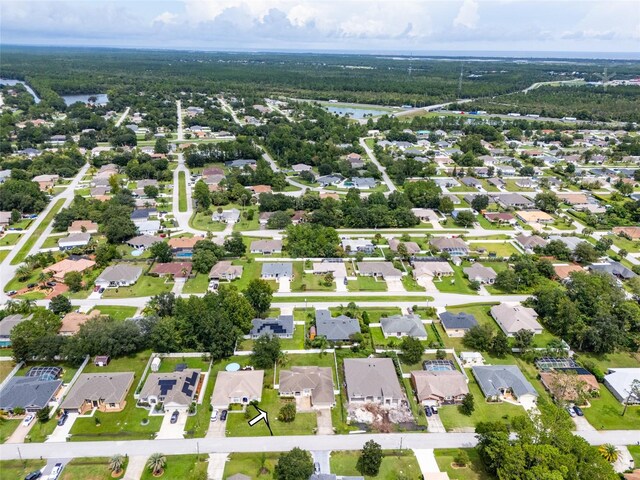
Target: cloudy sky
402 26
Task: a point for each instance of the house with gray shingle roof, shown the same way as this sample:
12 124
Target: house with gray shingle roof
480 273
314 382
104 391
121 275
271 270
30 393
500 381
336 329
403 326
281 327
372 380
457 324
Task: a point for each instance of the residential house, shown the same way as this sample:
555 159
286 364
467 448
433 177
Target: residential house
150 227
373 380
46 182
453 246
525 182
225 270
384 270
412 247
355 245
72 322
632 232
364 183
5 219
498 382
313 382
564 271
277 270
338 269
74 240
281 327
570 242
336 329
457 324
183 245
176 390
142 242
513 200
71 264
241 163
470 359
529 242
142 215
258 189
266 247
471 182
439 387
30 393
328 180
120 275
513 317
619 382
436 269
106 392
7 324
501 218
83 226
615 269
403 326
301 167
425 215
480 273
175 270
241 387
534 216
572 383
227 216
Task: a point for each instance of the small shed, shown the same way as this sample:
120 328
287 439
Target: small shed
155 364
101 360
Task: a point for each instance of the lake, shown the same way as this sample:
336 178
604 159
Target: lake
9 81
102 98
356 112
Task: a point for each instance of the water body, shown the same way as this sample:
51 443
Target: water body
356 112
102 98
9 81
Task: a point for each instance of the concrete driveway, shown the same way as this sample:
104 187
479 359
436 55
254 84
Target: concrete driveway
61 432
170 430
325 423
46 471
434 424
216 429
22 431
322 457
340 285
284 285
395 285
215 468
582 424
427 461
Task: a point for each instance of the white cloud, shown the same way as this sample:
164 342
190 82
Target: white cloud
467 15
166 18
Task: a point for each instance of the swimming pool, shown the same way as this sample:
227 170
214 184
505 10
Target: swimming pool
184 254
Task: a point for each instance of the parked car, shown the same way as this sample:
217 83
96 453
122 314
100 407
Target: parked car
571 412
55 473
174 416
101 290
11 293
223 415
427 411
33 475
32 285
62 419
214 415
51 284
434 410
316 467
578 411
28 419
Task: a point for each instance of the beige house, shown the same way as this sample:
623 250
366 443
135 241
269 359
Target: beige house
60 269
103 391
372 380
534 216
513 317
242 387
72 322
46 182
313 382
83 226
176 390
225 270
439 388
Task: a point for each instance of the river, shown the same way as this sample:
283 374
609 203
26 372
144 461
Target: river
8 81
102 98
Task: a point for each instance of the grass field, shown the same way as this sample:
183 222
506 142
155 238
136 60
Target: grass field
457 283
10 239
197 284
7 427
28 245
203 221
473 471
146 286
116 311
182 192
92 468
303 282
182 467
367 284
504 249
394 464
253 465
605 413
18 469
410 285
5 367
635 453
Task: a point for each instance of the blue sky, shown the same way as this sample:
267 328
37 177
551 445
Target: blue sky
403 26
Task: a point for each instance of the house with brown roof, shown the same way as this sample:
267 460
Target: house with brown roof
529 242
564 271
500 218
72 322
83 226
183 244
570 384
513 317
173 269
412 247
60 269
534 216
46 182
313 382
384 270
106 392
632 232
439 387
225 270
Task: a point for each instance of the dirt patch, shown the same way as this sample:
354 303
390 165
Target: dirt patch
380 417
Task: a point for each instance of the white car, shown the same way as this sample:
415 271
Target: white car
55 473
214 415
28 419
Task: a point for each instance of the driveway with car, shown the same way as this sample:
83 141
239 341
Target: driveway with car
434 424
170 430
62 431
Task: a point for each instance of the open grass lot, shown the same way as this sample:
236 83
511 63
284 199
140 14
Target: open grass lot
250 271
10 239
457 283
18 469
245 225
346 298
605 413
146 286
3 254
92 468
474 471
5 367
52 241
620 242
453 420
504 249
367 284
26 248
7 427
181 467
197 284
394 463
117 312
182 192
203 221
612 360
251 465
303 282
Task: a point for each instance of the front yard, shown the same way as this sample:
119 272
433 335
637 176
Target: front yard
605 413
183 467
456 283
253 465
92 468
366 284
502 249
395 464
475 470
197 284
146 286
303 282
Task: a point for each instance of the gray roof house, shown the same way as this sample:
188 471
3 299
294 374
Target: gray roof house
104 391
513 200
513 317
619 380
314 382
335 329
142 242
403 326
378 269
30 393
227 216
365 183
74 240
7 324
174 389
480 273
266 247
372 380
498 381
412 247
120 275
615 269
457 324
277 270
453 246
529 242
281 327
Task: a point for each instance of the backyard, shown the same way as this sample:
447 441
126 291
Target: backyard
501 249
116 312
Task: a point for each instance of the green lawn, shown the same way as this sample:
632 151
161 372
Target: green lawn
197 284
605 413
182 192
609 360
146 286
367 284
245 225
10 239
251 465
197 425
7 427
237 425
457 283
452 419
203 221
28 245
504 249
52 241
250 271
181 467
346 299
92 468
620 242
116 311
410 285
474 471
5 367
68 371
635 453
18 469
394 464
303 282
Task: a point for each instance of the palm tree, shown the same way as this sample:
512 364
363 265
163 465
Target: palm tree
116 463
156 463
23 272
609 452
